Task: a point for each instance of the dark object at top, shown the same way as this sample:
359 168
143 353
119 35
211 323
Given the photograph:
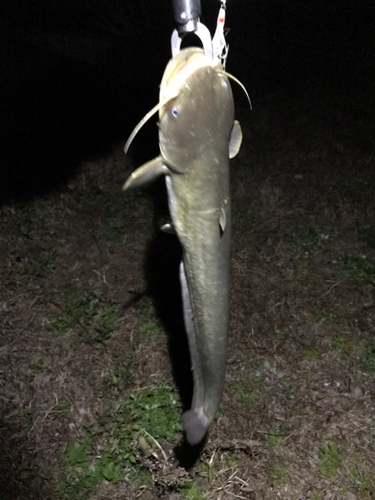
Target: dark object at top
186 14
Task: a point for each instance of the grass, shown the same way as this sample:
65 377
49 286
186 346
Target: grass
367 357
311 354
275 436
115 231
362 269
343 344
36 266
365 482
150 329
81 475
63 408
247 397
323 316
190 491
149 415
118 376
88 310
329 460
77 340
307 238
157 410
278 474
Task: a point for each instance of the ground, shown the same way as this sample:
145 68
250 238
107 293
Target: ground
92 353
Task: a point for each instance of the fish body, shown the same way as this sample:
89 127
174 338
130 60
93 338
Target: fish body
197 136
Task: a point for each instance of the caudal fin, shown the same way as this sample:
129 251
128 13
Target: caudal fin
195 426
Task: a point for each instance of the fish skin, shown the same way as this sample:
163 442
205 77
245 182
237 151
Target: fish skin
195 128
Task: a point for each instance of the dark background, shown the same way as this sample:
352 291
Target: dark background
76 76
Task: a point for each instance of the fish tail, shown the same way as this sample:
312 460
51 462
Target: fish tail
195 425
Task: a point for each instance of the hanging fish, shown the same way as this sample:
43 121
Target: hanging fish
197 137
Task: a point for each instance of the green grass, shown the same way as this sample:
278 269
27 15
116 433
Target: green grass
61 324
367 358
229 460
157 410
343 344
364 351
365 483
63 408
36 266
278 474
149 414
307 239
36 365
362 269
279 334
115 231
317 495
275 436
88 310
27 418
323 316
311 354
150 329
247 397
190 491
83 473
118 377
145 310
329 460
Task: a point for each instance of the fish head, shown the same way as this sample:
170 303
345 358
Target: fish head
198 113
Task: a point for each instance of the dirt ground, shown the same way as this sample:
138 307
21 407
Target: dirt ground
93 359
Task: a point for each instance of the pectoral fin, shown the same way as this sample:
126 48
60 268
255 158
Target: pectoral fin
168 228
146 173
235 139
223 220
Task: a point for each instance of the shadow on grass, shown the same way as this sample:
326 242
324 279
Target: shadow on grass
20 477
162 274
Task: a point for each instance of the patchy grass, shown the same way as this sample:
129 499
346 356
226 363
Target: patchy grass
311 354
361 268
157 410
150 329
329 460
275 436
85 309
247 396
135 427
278 474
190 491
367 357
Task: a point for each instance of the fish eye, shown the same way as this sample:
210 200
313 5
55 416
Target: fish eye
175 111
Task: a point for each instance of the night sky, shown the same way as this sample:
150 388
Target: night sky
77 76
